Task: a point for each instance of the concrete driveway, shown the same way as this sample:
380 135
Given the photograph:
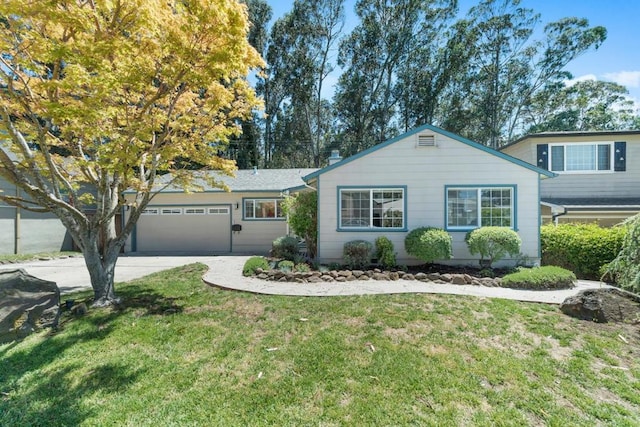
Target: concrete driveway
71 273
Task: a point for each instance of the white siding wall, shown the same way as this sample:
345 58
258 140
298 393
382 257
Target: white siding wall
256 236
425 172
587 185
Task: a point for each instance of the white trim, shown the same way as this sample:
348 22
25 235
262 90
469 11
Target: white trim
219 211
195 211
171 211
582 171
150 211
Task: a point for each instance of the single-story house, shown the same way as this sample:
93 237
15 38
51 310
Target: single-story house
244 220
598 174
426 177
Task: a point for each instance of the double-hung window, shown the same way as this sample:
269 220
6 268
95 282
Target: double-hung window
372 208
473 207
263 209
581 157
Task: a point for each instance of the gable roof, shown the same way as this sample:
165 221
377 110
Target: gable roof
572 134
437 130
246 180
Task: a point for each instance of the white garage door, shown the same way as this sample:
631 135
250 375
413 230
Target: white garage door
195 229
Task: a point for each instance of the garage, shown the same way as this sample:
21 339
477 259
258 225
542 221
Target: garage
193 229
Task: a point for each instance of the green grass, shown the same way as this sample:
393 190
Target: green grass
36 256
182 353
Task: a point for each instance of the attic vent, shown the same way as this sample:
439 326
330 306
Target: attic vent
426 140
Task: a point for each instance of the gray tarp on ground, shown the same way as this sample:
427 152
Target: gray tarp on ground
27 299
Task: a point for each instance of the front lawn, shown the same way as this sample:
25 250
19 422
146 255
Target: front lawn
182 353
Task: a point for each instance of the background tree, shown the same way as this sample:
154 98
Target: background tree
300 59
246 148
589 105
508 67
125 90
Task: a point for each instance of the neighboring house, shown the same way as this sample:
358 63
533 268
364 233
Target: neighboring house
598 174
244 220
24 232
426 177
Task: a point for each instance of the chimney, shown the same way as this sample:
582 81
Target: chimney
335 157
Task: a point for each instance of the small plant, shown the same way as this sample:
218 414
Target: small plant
357 253
254 263
385 253
493 243
302 267
285 247
487 272
547 277
428 244
286 265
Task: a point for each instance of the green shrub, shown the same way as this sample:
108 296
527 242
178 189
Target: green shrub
428 244
625 268
385 253
301 210
547 277
493 243
581 248
357 253
253 264
285 247
286 265
302 267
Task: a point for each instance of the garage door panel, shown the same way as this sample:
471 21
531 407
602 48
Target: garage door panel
184 232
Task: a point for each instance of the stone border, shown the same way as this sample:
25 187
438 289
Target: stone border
376 274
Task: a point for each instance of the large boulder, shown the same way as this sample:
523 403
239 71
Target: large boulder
26 303
603 305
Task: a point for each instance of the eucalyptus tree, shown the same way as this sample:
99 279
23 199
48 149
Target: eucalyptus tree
300 58
245 148
437 55
590 105
508 66
101 97
371 56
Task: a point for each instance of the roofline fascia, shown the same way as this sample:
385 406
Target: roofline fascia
437 130
570 134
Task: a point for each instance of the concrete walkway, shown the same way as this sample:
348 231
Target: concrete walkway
226 272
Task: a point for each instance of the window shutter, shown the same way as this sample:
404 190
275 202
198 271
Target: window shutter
620 156
543 156
426 140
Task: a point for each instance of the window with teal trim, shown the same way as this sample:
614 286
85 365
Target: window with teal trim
372 208
263 209
479 207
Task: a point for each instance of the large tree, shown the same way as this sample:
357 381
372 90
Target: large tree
508 66
102 96
590 105
299 60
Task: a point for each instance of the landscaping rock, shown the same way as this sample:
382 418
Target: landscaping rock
341 279
603 305
357 273
314 279
408 276
394 275
421 276
380 276
326 278
27 303
433 276
446 277
458 279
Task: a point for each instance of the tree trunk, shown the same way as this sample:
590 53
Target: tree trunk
102 271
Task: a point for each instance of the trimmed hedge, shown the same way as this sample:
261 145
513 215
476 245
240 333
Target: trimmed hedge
385 252
493 243
252 264
357 253
547 277
428 244
581 248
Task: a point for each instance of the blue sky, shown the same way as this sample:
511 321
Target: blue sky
618 59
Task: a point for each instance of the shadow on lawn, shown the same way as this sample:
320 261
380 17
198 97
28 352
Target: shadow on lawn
34 393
